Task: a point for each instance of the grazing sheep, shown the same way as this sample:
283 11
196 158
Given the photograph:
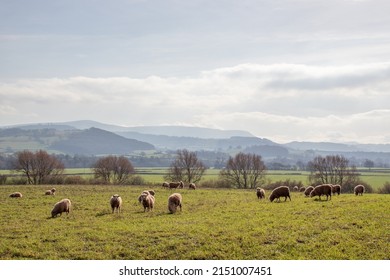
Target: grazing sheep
336 189
278 192
260 193
174 201
324 189
165 185
359 190
175 185
116 203
295 188
148 202
308 190
192 186
16 194
61 206
50 192
302 189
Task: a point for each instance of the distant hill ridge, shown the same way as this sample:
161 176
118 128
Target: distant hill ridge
95 137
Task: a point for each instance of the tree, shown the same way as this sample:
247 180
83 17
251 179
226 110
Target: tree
186 167
113 169
38 167
244 171
368 164
331 170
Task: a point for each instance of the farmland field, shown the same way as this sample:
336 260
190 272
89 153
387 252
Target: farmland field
214 225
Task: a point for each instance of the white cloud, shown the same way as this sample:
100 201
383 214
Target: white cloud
283 102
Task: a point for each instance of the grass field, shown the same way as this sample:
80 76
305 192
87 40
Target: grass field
214 225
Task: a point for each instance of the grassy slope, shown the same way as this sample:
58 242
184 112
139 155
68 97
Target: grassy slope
214 224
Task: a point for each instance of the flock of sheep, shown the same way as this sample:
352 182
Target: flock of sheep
310 191
147 199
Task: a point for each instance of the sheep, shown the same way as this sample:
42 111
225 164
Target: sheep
142 195
175 185
336 189
302 189
260 193
16 194
61 206
192 186
174 201
165 185
147 201
278 192
50 192
116 203
324 189
308 190
295 189
359 190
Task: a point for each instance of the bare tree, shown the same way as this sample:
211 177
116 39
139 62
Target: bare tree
244 171
113 169
186 167
38 167
332 169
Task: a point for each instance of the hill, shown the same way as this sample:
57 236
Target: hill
92 141
166 130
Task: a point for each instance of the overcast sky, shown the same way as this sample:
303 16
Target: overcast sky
291 70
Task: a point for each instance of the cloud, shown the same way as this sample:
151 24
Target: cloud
283 102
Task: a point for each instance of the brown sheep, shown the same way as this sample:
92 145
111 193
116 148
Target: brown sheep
116 203
174 201
60 207
50 192
176 185
16 194
359 190
295 188
278 192
308 190
192 186
147 201
302 189
165 185
336 189
324 189
260 193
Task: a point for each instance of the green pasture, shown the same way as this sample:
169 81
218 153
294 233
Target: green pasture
214 225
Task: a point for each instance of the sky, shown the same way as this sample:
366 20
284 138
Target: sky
286 70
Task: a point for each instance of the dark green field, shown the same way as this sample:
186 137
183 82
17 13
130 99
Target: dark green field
214 225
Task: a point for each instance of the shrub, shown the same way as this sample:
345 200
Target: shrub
289 183
215 184
136 181
385 189
3 179
74 180
349 186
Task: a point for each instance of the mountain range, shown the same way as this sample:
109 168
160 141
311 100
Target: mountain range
95 138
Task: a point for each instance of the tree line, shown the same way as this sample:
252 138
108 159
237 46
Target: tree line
244 170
